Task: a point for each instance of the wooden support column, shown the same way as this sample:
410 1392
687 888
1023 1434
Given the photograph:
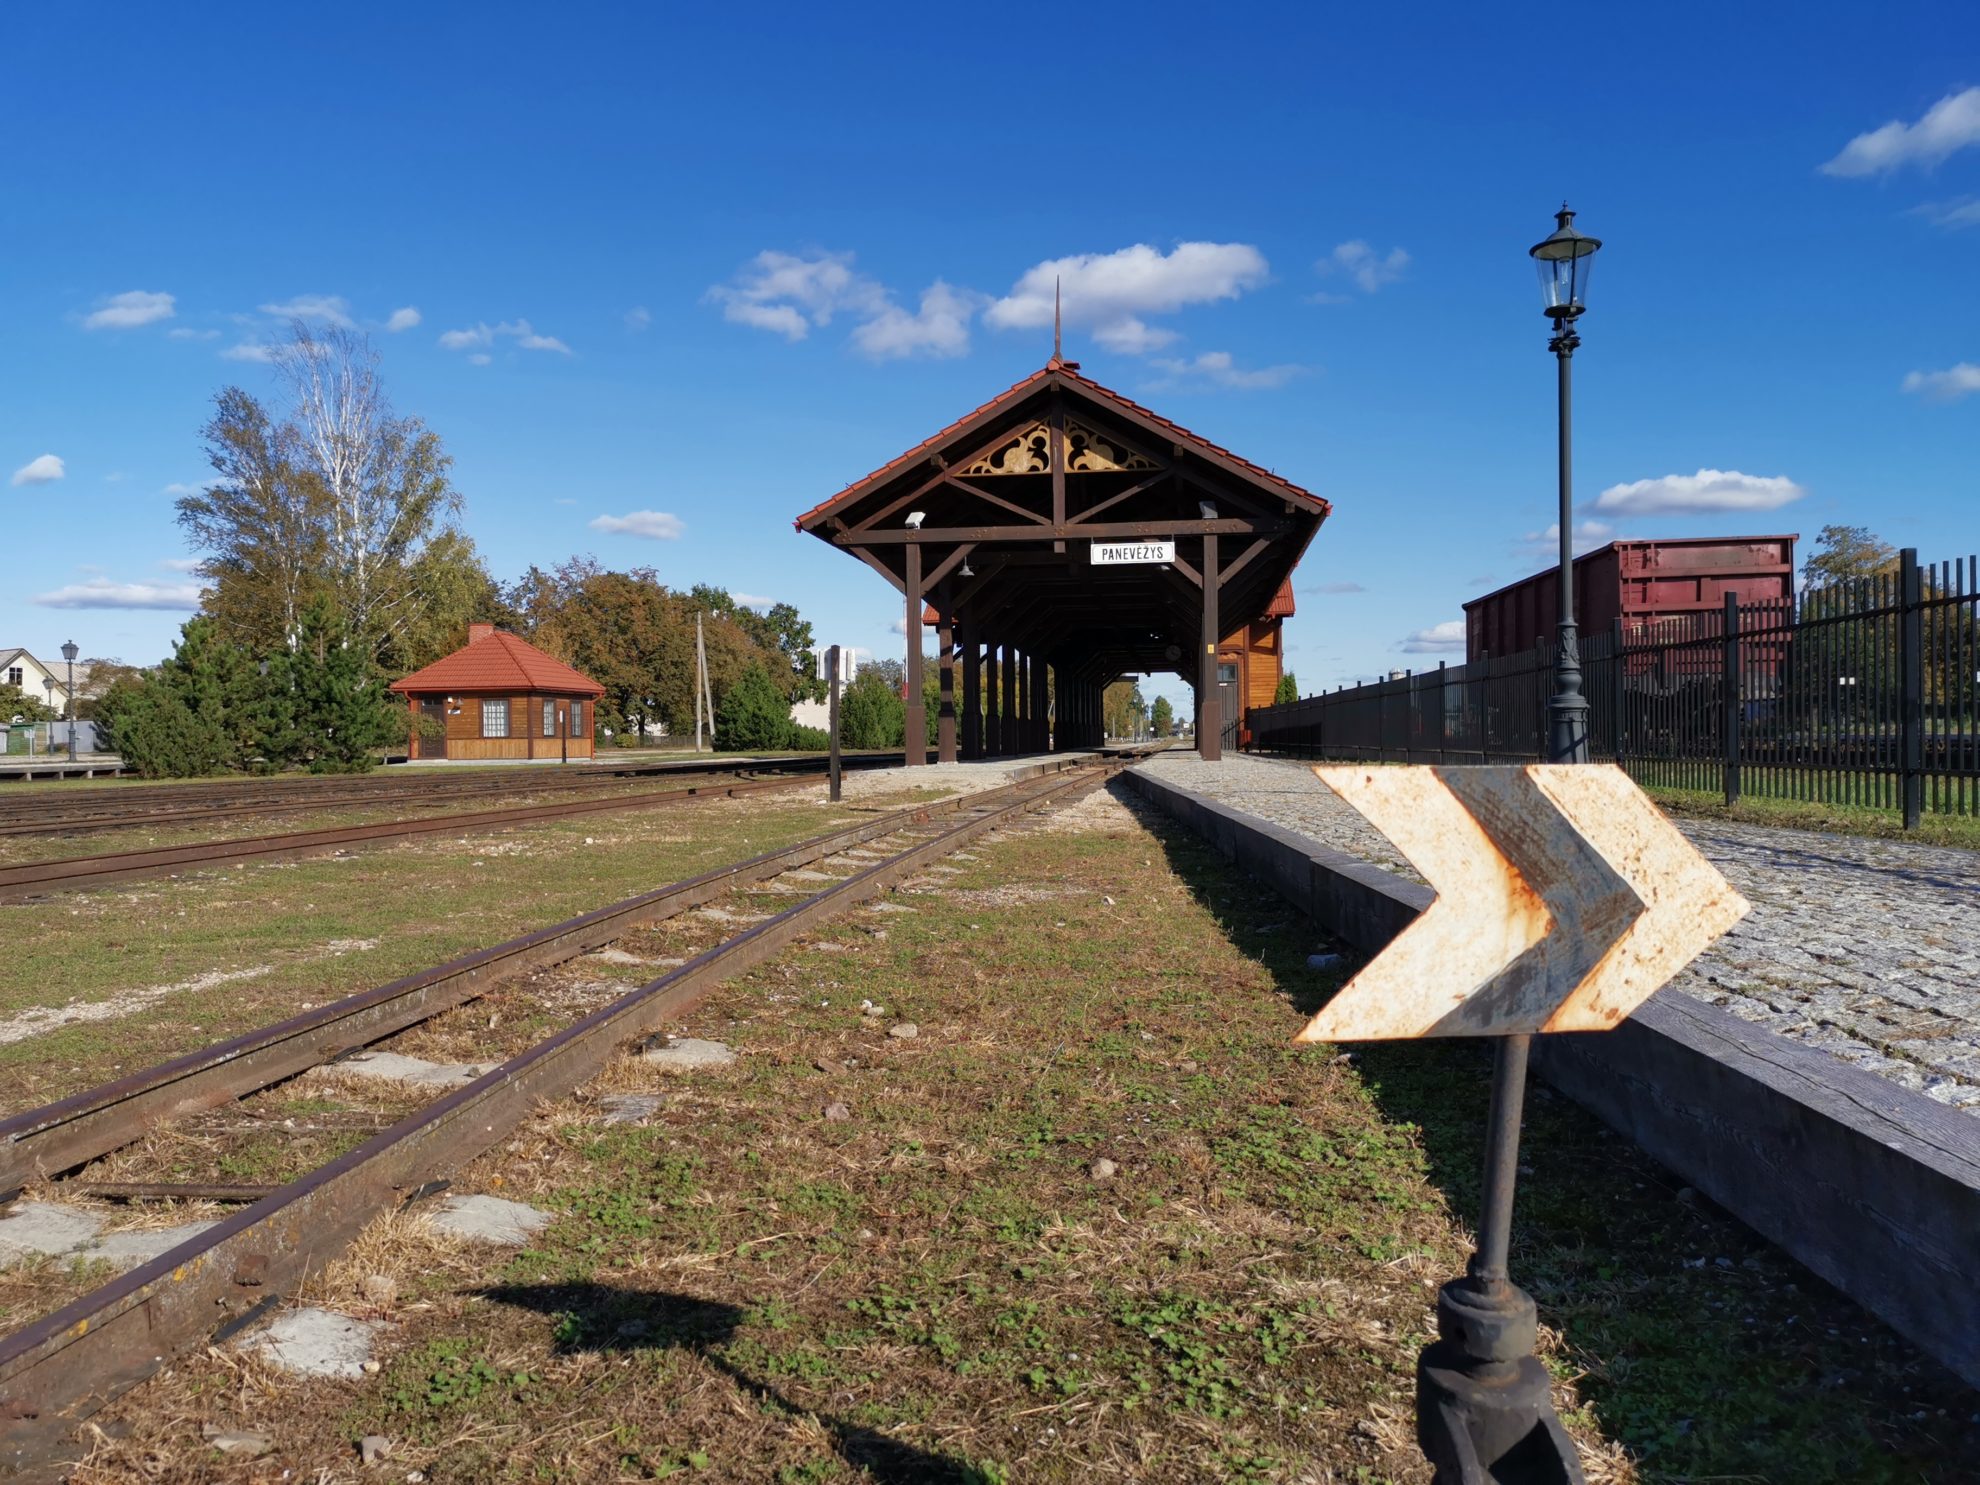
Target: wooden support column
917 710
972 688
945 662
1007 735
993 704
1210 711
1021 689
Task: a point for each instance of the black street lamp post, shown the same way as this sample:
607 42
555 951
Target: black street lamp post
69 653
1484 1405
1565 259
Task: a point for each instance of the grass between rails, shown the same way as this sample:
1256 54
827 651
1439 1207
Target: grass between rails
937 1288
118 978
1835 819
302 815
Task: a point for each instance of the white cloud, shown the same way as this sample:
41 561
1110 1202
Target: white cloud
1438 639
1945 386
186 487
898 626
249 350
656 525
1335 588
482 336
128 311
180 564
402 319
186 332
1963 211
41 471
753 600
103 593
1110 293
1360 262
1133 337
1221 369
639 317
480 358
329 308
1588 534
1951 124
789 294
939 328
1707 492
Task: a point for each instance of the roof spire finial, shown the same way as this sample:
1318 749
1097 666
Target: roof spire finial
1057 351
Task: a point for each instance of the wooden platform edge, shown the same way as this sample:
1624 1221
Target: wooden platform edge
1873 1187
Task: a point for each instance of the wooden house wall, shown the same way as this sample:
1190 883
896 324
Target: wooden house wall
525 739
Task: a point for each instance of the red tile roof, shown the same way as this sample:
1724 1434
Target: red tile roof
1016 393
1281 606
499 662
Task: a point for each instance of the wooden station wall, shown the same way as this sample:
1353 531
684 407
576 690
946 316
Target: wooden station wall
525 739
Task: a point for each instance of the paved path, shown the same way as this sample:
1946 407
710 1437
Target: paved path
1869 949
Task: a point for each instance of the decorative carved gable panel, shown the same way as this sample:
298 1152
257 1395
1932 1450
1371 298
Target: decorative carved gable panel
1030 452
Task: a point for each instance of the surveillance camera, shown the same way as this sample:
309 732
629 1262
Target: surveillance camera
915 518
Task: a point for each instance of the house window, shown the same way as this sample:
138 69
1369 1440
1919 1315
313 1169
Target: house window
1227 675
13 675
577 719
495 718
549 719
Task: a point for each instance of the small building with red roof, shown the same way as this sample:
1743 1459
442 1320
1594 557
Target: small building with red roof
498 696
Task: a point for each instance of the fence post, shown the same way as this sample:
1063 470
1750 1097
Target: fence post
1911 665
1729 688
1443 729
1616 688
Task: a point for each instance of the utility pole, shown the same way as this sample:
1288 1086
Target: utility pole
699 662
707 695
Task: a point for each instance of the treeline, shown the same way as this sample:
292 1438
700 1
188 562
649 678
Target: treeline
332 562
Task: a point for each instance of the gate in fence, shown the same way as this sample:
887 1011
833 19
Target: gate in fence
1860 692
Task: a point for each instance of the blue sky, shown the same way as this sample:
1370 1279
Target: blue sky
714 265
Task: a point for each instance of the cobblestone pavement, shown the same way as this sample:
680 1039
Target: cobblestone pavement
1868 949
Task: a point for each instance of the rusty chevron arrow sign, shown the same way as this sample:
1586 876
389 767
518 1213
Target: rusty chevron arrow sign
1565 899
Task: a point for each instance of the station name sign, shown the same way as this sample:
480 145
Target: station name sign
1120 553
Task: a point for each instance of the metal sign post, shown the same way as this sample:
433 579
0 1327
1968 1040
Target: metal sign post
1565 899
832 720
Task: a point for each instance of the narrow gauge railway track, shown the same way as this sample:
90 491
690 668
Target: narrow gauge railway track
34 878
185 804
60 1369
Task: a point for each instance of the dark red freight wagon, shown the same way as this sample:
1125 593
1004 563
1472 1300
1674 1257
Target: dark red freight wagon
1653 586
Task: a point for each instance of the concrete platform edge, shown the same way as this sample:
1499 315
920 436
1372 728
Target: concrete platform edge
1872 1186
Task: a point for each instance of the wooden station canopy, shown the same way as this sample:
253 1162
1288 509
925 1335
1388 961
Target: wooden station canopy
1032 529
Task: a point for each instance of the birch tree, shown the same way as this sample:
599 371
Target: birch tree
383 477
260 522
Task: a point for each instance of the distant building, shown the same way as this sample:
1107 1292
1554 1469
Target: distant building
47 683
499 696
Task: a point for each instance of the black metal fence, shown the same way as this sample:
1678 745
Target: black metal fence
1860 692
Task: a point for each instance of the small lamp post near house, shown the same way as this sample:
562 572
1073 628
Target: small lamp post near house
48 696
69 653
1565 259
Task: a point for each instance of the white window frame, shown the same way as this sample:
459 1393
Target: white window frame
549 717
492 708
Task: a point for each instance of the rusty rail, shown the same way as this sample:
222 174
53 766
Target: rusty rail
64 1367
185 804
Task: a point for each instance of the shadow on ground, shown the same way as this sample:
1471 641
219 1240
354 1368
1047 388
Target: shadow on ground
601 1320
1698 1347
